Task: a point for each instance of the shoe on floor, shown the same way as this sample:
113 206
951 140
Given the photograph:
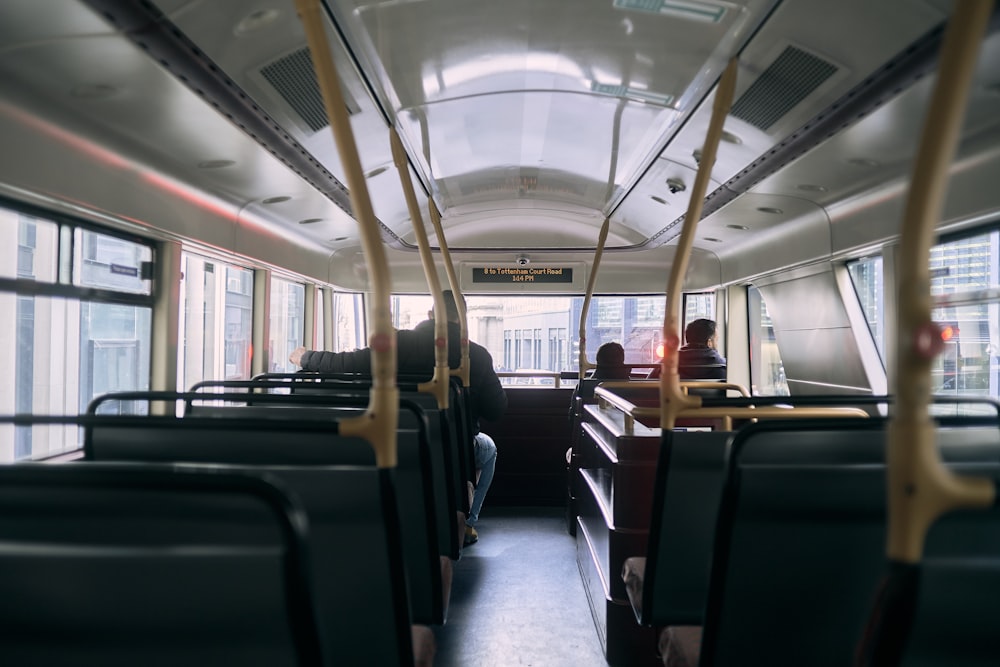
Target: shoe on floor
471 536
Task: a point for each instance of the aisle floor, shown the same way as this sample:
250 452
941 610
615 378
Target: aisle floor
517 597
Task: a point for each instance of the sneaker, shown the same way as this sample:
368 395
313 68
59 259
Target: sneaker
471 536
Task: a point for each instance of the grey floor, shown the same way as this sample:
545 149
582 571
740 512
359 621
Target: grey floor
517 597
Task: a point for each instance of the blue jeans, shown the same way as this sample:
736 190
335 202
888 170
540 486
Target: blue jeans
485 453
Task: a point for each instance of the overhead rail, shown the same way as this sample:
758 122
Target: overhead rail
438 384
673 401
591 281
378 424
920 488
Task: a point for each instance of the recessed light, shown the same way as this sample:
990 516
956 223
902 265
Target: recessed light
730 138
742 228
863 162
376 171
770 209
712 239
275 200
811 188
310 221
256 20
339 238
215 164
658 200
93 91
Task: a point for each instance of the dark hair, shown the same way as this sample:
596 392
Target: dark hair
611 354
699 332
450 309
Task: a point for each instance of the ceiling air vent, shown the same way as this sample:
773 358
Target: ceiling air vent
789 80
294 78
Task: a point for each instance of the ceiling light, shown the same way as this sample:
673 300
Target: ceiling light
93 91
310 221
215 164
339 238
256 20
806 187
275 200
730 138
742 228
863 162
658 200
376 171
770 209
712 239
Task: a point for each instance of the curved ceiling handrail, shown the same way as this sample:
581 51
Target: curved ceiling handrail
672 400
379 422
438 384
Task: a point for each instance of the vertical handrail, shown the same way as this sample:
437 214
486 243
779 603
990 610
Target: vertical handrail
378 424
462 372
438 384
673 400
920 488
591 281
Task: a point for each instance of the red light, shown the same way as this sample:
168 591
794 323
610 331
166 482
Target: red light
948 332
659 351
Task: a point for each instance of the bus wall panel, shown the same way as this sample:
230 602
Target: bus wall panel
532 439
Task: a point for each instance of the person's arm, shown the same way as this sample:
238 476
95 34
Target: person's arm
358 361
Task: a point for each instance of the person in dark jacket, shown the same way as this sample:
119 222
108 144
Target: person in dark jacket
415 357
698 359
610 366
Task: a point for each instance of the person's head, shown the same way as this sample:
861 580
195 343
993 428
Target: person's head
700 332
450 309
611 354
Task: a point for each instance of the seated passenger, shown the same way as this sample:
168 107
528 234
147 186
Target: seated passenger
698 359
415 356
610 366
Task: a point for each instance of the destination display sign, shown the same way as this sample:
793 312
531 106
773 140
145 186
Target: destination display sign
522 274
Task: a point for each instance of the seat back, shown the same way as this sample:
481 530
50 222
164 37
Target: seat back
357 549
800 541
140 564
686 499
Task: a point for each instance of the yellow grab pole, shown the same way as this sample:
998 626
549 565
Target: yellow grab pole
378 423
463 369
438 385
672 399
920 487
591 281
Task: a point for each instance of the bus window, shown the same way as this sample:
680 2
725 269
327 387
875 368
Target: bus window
287 323
869 285
215 321
767 374
966 272
73 344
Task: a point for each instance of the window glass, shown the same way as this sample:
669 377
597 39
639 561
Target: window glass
866 275
965 275
111 263
63 352
319 320
349 322
542 333
30 247
215 321
287 323
767 374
